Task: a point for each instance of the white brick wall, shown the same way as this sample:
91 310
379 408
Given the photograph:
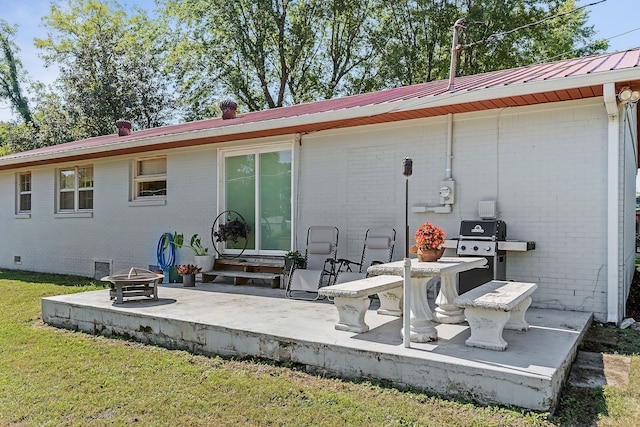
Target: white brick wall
546 166
630 169
126 234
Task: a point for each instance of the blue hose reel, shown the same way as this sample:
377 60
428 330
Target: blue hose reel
166 242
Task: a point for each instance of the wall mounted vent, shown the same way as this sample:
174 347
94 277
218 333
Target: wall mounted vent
101 268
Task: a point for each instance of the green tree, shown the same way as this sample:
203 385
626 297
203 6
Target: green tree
268 53
109 66
418 40
57 124
567 36
150 102
11 73
511 33
21 137
5 128
498 34
352 33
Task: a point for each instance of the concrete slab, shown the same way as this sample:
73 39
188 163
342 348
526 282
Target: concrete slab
218 318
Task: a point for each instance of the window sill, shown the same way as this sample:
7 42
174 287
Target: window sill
23 216
156 202
73 215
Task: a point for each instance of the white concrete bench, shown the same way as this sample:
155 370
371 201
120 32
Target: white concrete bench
492 307
352 300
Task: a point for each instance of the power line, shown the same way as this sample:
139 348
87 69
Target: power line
622 34
505 33
560 55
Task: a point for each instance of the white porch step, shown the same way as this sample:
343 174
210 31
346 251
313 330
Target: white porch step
242 277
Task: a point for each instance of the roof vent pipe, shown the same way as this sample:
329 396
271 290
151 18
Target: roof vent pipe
455 48
228 108
124 127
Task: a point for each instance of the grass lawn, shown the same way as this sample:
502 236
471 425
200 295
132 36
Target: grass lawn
53 377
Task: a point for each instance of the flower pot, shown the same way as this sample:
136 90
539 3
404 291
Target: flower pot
430 255
290 263
189 280
174 277
204 262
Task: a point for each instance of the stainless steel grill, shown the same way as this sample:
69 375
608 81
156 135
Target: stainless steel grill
481 238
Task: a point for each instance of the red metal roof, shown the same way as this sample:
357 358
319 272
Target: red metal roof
437 91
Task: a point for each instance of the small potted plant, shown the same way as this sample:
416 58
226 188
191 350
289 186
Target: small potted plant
293 259
188 273
429 242
231 228
202 259
232 231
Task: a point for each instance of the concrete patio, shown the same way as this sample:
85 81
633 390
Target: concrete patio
249 320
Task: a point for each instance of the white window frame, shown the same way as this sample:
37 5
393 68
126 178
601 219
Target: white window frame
138 179
20 192
76 189
256 150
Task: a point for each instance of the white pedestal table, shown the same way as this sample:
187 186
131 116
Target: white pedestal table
422 318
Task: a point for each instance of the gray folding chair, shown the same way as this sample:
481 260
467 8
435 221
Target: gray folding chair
378 248
319 263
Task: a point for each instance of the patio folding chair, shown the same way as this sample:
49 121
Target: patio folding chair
319 263
378 248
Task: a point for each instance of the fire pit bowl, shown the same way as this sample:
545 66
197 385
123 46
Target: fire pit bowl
133 282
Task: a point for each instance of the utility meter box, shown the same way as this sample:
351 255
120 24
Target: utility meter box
447 192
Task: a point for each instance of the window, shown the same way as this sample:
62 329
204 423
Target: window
258 186
24 192
150 178
75 189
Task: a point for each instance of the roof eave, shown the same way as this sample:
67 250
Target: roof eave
334 116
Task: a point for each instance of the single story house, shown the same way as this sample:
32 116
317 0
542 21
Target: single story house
554 145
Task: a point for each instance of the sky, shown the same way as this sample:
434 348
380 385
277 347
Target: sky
606 17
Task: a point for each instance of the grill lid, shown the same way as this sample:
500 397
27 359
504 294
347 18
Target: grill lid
483 230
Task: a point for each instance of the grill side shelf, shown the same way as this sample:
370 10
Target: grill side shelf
503 245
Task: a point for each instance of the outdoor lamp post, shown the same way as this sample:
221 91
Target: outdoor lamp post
407 170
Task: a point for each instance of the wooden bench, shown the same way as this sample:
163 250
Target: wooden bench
352 300
492 307
241 277
243 270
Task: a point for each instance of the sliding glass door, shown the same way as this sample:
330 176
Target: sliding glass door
257 184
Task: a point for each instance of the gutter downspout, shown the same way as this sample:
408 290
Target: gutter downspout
445 207
447 170
613 202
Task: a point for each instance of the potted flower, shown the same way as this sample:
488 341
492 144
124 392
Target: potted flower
188 273
429 242
233 231
231 228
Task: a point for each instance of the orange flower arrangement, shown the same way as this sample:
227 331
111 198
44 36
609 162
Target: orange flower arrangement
184 269
428 236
